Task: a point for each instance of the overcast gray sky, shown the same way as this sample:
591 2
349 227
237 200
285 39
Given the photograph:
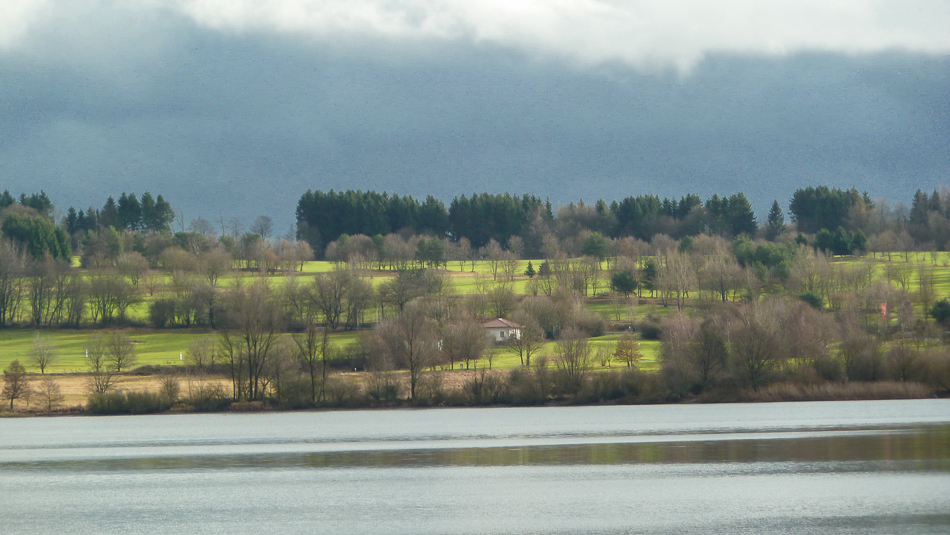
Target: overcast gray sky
236 107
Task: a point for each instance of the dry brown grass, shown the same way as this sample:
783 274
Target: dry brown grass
75 387
840 391
75 390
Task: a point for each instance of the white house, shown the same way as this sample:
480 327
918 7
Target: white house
501 330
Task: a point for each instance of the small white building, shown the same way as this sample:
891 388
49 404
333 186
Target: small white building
502 330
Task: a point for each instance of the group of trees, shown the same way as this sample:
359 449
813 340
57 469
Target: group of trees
106 356
274 341
785 339
127 251
686 252
836 221
151 214
324 217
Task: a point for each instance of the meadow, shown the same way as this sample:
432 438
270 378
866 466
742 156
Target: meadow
167 347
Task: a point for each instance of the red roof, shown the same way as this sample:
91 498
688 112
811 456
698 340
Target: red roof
500 323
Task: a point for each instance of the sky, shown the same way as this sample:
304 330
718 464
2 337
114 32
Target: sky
235 108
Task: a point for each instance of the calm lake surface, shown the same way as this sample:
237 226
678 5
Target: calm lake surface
831 467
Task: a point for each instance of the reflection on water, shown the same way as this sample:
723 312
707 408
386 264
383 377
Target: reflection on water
921 448
855 467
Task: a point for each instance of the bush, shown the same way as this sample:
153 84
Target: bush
204 397
429 390
170 389
828 368
649 328
603 386
294 392
625 386
529 388
590 323
162 312
127 403
383 388
485 389
343 393
813 299
940 311
936 364
567 384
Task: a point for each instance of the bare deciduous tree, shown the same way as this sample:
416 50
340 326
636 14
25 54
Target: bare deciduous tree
202 226
531 339
110 295
463 341
903 359
411 342
573 361
756 343
15 383
42 353
328 293
710 354
202 353
494 254
313 353
262 225
120 351
49 393
102 375
253 320
501 299
132 265
12 267
213 264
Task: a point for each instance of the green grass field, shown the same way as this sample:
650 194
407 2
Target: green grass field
151 347
165 347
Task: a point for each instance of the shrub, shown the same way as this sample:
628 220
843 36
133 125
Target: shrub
604 386
940 311
589 323
206 396
649 328
162 312
127 403
294 392
343 393
530 387
828 368
625 386
429 390
936 365
813 299
485 389
383 388
171 389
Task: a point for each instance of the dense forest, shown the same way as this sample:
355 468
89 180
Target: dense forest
834 220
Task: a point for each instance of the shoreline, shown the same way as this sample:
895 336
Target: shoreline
451 393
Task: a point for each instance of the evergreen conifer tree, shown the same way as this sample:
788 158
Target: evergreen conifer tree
776 222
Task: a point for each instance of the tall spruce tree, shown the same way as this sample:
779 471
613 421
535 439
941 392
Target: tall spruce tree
776 222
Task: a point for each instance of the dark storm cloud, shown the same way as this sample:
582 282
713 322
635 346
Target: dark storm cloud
243 123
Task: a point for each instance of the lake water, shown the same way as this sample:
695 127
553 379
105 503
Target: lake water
831 467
